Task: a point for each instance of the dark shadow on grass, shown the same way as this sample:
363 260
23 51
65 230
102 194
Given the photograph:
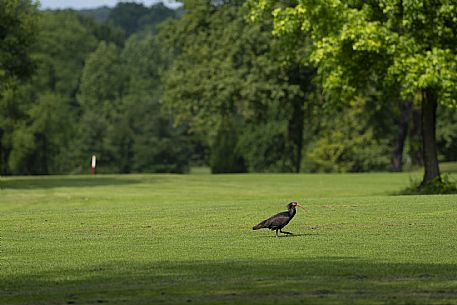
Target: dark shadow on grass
327 280
286 236
48 182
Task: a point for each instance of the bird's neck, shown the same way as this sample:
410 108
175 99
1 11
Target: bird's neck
292 212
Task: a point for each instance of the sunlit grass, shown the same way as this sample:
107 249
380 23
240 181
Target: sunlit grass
448 167
149 239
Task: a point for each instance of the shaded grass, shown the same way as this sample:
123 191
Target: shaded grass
51 182
149 239
442 185
448 167
350 280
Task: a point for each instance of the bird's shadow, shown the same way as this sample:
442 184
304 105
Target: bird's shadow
289 235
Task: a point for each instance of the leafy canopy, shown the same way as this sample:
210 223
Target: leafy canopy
17 35
410 43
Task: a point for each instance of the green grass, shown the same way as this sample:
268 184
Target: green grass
448 167
170 239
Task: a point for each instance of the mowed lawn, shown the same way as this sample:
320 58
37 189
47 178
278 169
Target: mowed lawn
181 239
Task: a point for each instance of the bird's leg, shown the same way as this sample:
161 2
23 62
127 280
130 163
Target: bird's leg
276 233
284 232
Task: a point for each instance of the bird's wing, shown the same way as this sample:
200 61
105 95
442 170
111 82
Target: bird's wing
277 220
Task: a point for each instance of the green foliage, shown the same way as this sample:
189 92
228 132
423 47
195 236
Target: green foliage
157 145
440 185
224 69
347 144
38 140
412 43
264 145
102 86
99 14
17 34
225 156
23 146
209 87
134 17
103 31
102 74
54 122
18 30
122 122
62 46
447 133
408 45
44 108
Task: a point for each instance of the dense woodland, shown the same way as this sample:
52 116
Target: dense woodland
151 89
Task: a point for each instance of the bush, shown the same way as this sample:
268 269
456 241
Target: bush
439 185
347 145
265 147
225 157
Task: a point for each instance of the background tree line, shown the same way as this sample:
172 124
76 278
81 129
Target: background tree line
150 89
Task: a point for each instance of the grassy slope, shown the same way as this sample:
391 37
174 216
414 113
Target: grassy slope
149 239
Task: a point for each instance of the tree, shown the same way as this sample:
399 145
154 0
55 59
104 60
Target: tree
63 43
412 41
157 145
45 107
224 83
122 121
102 85
134 17
103 31
346 142
447 134
17 35
47 132
99 14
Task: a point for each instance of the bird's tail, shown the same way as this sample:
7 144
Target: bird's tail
259 226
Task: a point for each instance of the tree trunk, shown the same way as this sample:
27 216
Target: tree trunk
296 125
397 156
415 137
301 76
429 151
42 154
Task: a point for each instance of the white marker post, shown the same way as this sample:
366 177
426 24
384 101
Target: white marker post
94 164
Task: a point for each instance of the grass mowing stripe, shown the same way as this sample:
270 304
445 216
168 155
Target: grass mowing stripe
142 239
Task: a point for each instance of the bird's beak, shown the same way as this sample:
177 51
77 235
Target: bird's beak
299 205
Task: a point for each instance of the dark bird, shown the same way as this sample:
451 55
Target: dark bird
280 220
